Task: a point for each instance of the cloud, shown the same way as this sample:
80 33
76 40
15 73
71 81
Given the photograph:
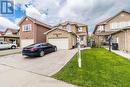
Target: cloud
33 12
102 10
42 16
86 11
75 8
6 23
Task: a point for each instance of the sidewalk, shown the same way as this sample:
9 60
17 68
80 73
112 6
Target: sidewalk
9 51
121 53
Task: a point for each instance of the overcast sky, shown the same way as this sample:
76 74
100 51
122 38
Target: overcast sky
52 12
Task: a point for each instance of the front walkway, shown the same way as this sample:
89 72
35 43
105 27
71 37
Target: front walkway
121 53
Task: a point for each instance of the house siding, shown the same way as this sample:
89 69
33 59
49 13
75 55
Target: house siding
29 34
83 33
124 40
118 19
62 34
35 35
40 36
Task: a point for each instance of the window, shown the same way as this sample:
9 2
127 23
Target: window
117 40
26 27
101 28
60 27
122 15
69 28
49 45
81 38
80 29
119 25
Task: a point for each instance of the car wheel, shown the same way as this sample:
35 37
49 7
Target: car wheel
55 49
42 53
13 47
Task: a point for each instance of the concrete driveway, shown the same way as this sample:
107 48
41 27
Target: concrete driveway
19 71
10 77
47 65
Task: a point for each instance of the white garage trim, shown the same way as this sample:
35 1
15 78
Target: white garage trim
61 43
26 42
1 39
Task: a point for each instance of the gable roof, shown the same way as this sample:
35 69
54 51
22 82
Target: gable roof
59 29
126 28
1 33
109 19
72 23
104 33
12 30
35 21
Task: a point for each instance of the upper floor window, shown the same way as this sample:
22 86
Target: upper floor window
26 27
69 28
60 26
122 15
101 28
80 29
119 25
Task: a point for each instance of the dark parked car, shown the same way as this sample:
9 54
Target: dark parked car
38 49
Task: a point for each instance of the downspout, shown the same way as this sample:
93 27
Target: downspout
125 40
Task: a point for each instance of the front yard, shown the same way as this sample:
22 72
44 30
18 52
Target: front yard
100 68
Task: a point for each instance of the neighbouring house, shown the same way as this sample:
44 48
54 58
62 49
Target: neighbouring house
31 31
61 38
64 35
122 37
11 36
1 34
118 27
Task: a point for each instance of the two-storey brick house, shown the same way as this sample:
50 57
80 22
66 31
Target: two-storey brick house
31 31
64 35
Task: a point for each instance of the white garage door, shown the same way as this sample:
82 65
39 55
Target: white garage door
61 43
26 42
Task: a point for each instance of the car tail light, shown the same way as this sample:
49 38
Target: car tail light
34 49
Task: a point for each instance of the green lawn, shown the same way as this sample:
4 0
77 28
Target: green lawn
100 68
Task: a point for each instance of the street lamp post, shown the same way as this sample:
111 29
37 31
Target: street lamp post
79 53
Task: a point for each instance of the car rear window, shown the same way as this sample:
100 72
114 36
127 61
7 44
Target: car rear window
37 45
